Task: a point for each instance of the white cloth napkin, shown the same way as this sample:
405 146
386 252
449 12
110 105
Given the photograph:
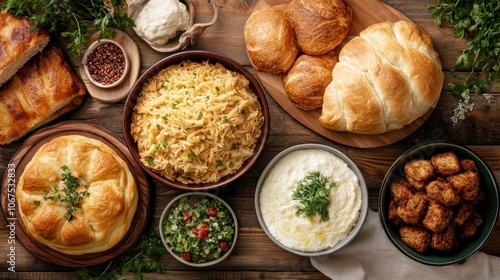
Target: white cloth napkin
372 256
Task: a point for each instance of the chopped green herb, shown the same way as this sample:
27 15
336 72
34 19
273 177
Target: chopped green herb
313 194
145 256
219 164
192 156
69 196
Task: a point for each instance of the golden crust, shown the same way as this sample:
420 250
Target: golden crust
305 82
437 218
101 220
270 41
42 90
446 164
466 184
415 237
319 25
386 78
441 192
18 43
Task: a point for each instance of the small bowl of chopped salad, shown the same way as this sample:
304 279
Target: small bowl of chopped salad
198 228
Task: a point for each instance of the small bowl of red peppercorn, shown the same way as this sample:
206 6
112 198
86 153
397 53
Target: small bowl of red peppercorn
106 63
198 228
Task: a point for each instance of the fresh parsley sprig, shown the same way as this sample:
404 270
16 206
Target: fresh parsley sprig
479 22
70 194
73 19
145 256
313 194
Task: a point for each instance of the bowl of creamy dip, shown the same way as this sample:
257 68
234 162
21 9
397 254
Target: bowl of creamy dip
167 25
311 200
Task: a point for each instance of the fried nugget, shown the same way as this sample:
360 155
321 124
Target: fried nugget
445 164
393 215
419 186
437 218
466 184
419 169
468 165
445 240
412 210
471 226
442 192
400 190
462 213
417 238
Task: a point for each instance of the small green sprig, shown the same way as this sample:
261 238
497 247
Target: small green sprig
70 194
145 256
313 194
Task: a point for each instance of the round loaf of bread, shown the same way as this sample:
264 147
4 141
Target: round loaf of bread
319 25
386 78
103 208
305 82
270 41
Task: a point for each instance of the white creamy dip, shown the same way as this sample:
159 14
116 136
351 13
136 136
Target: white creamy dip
160 20
278 208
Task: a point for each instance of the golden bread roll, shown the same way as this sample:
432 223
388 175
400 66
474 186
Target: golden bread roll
270 41
305 82
319 25
18 43
386 78
42 90
101 219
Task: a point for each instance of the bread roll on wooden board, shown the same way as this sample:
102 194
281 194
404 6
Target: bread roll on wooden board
363 16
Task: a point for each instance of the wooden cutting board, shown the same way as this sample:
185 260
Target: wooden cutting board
23 156
365 13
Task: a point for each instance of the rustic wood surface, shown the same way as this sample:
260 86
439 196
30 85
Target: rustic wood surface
255 256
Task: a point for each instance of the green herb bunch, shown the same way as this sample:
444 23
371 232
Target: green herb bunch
69 194
313 194
479 22
145 256
73 19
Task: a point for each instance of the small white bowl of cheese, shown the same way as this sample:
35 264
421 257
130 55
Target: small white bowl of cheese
167 25
311 200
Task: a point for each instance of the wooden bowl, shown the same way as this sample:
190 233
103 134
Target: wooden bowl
23 156
196 56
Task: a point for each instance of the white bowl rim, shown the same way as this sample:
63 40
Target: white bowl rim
364 200
95 45
177 198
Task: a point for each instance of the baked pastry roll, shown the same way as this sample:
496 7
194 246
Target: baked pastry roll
270 41
305 82
101 217
386 78
42 90
319 25
18 43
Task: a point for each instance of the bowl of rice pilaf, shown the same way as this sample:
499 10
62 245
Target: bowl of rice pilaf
196 120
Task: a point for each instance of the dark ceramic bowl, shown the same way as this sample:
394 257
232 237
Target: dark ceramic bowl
488 185
196 56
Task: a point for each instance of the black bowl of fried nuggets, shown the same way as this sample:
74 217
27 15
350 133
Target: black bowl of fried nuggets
439 203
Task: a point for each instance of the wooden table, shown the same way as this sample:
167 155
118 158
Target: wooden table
255 256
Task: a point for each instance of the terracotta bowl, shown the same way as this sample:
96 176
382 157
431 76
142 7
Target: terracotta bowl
196 56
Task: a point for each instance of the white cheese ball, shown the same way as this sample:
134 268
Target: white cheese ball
160 20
